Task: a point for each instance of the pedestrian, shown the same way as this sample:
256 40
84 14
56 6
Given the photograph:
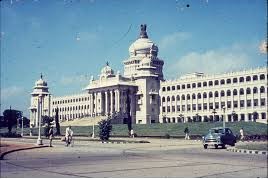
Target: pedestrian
68 135
241 133
50 135
186 132
132 133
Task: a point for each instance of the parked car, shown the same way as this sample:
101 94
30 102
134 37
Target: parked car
219 136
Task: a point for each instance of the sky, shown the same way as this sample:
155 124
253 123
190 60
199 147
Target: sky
70 40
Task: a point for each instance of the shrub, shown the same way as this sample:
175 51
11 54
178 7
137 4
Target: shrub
105 128
167 136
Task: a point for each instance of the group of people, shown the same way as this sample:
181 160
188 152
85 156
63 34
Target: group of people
68 136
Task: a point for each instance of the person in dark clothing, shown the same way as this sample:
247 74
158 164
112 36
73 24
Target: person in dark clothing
186 132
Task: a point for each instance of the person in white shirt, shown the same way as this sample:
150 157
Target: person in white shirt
241 134
68 135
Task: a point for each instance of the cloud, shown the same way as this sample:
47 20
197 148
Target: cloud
213 61
12 91
173 39
263 47
76 79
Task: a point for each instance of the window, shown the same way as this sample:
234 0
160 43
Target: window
183 97
216 105
193 85
248 78
228 93
248 91
229 104
194 107
199 106
163 99
242 103
228 81
163 89
222 104
173 108
199 85
234 80
255 102
262 89
262 77
193 96
241 79
210 105
255 77
263 115
205 107
199 95
216 82
188 86
204 84
241 91
255 90
188 107
168 99
210 95
164 109
234 92
188 97
210 83
168 88
205 95
262 101
178 97
183 86
168 109
178 107
216 94
173 88
183 107
222 93
248 103
235 104
178 87
173 98
222 82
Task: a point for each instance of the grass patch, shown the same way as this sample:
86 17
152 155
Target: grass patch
254 146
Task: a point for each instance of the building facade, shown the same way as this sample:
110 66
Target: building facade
142 93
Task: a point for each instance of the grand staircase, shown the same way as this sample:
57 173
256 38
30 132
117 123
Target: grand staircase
86 121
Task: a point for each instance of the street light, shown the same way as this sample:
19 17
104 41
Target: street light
223 118
39 140
93 132
22 126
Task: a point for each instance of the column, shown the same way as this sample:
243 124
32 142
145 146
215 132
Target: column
101 103
111 104
118 100
106 103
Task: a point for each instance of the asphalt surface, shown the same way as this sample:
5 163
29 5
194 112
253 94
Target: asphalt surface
159 158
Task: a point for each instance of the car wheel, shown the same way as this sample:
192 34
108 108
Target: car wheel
205 146
223 146
216 146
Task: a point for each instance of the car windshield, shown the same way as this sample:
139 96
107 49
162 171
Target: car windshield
217 131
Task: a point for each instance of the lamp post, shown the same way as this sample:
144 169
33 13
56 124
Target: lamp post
22 126
223 118
93 128
39 140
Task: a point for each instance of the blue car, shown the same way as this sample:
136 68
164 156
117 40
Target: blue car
219 136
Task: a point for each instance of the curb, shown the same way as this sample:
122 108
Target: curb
124 142
15 150
259 152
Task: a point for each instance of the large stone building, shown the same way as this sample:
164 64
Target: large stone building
143 93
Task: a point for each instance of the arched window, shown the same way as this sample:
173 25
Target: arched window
210 95
222 93
248 91
210 83
178 87
235 92
228 81
234 80
168 99
241 91
199 95
248 78
222 82
204 95
168 88
173 98
193 85
262 77
255 77
173 88
163 99
262 89
188 96
183 97
204 84
178 97
241 79
216 94
228 92
193 96
216 82
255 90
164 89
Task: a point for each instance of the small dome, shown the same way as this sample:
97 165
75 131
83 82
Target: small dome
41 82
146 61
107 71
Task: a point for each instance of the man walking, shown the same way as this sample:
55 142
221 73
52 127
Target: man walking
186 132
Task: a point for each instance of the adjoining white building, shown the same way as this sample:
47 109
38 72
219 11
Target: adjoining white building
150 99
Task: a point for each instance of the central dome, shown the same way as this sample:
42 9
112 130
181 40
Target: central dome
143 45
41 82
107 71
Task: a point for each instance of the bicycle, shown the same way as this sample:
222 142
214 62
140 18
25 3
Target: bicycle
70 141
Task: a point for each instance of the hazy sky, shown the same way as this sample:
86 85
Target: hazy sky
70 40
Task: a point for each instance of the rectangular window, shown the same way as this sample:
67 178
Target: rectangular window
178 107
248 103
205 107
255 102
188 107
199 107
216 105
262 101
235 104
229 104
194 106
164 109
183 107
242 103
222 104
210 105
173 108
198 85
168 109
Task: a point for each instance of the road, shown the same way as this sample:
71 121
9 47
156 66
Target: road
160 158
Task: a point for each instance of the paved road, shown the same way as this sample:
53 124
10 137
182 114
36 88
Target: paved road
160 158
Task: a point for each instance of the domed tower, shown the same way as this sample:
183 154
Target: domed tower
145 68
40 102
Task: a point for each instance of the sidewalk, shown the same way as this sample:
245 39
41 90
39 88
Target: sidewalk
8 147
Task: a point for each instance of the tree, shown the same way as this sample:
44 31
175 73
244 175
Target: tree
105 128
129 122
47 121
11 116
57 122
26 122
